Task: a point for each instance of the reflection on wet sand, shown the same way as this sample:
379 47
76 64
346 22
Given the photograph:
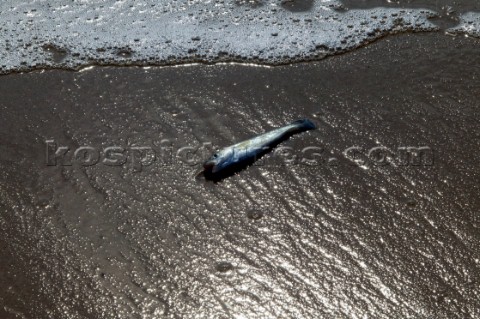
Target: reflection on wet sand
337 239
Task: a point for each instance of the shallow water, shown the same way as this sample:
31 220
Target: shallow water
340 238
459 6
43 34
451 16
76 34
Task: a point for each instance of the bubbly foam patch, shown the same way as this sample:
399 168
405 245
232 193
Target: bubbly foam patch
469 25
74 34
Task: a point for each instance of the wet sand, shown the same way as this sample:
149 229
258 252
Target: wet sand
336 239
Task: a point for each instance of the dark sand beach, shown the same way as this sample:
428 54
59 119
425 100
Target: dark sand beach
360 232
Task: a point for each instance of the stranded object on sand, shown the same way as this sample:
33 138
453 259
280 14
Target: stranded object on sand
234 158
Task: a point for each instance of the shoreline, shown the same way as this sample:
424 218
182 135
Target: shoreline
221 61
